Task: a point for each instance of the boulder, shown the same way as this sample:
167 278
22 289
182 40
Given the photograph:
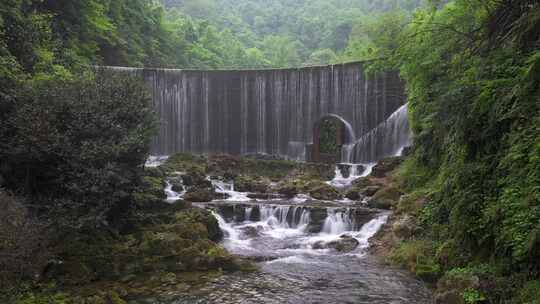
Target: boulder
177 185
317 218
325 192
380 203
385 166
345 243
404 227
289 191
247 184
385 198
195 177
200 195
250 231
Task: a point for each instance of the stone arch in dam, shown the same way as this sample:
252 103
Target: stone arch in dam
342 133
269 111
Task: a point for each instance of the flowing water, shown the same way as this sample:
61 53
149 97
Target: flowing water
387 139
266 111
296 269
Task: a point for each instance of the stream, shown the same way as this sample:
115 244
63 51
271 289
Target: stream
289 240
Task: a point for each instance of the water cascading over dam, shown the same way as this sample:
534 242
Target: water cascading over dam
266 111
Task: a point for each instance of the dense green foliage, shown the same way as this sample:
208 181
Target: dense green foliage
292 33
472 70
81 141
328 140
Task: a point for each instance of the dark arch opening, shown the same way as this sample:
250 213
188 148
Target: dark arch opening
330 133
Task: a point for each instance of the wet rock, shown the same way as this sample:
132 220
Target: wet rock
404 227
370 190
385 166
195 177
345 243
177 185
318 216
250 231
345 170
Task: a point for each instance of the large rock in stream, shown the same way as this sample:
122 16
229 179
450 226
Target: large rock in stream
345 243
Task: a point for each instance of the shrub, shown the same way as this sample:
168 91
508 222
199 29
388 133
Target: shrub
82 141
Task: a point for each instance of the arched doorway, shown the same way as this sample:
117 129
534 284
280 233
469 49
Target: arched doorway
330 133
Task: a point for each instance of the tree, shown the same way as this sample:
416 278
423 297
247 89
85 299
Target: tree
83 141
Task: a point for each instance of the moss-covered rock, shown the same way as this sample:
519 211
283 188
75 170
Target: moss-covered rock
385 166
385 198
323 191
196 194
288 190
243 183
195 176
405 227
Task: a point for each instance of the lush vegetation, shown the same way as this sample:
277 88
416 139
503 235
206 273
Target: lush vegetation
284 33
72 142
472 71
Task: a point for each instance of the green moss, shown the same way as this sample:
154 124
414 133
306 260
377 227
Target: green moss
418 256
43 298
529 294
323 191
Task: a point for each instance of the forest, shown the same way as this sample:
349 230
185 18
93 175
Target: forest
83 219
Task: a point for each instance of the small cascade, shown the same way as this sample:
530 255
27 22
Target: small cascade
338 222
228 189
339 181
294 217
247 215
387 139
172 196
229 231
347 153
155 161
369 229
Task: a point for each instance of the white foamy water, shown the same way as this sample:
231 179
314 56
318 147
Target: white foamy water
155 161
283 230
341 182
228 189
173 196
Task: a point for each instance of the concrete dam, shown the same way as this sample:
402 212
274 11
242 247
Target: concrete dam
277 111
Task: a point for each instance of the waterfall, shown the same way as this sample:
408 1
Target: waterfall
229 231
387 139
338 222
172 196
285 216
266 111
